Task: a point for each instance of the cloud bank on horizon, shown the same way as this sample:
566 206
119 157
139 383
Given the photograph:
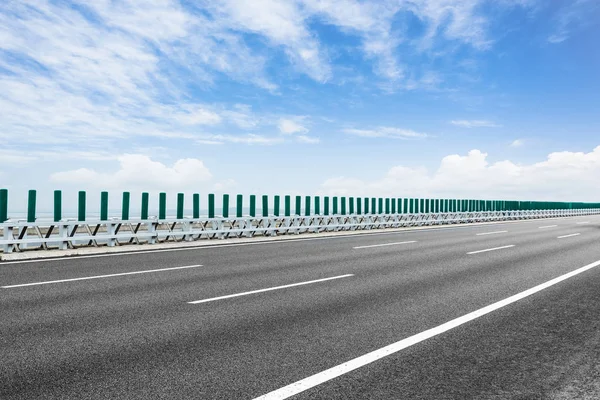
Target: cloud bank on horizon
168 95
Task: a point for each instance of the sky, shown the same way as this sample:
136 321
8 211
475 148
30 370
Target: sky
406 98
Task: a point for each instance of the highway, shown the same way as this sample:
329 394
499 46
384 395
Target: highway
245 321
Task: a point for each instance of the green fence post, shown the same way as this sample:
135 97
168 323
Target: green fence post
225 210
57 205
287 206
387 205
276 205
393 204
405 206
307 206
326 205
253 205
125 208
81 206
145 205
211 205
3 205
366 205
298 206
317 205
427 204
335 205
373 205
358 206
265 205
343 206
196 205
162 205
239 206
351 205
31 202
180 204
380 204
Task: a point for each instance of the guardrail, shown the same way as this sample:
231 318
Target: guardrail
336 214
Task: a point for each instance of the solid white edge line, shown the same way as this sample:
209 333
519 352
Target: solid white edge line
567 236
547 226
582 223
98 277
492 249
268 289
384 244
331 373
490 233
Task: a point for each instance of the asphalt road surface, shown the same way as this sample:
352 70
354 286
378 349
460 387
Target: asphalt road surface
349 317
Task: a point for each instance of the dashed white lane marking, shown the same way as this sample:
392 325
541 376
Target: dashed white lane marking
568 236
492 249
490 233
384 244
547 226
268 289
331 373
583 222
99 276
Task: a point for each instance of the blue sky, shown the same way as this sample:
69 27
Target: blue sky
444 98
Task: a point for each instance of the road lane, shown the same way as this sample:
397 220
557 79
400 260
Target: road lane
137 335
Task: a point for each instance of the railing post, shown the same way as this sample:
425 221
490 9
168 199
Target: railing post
225 211
196 205
31 202
162 206
380 208
387 205
298 206
81 207
3 205
326 205
343 206
57 205
307 206
287 206
317 205
253 205
373 205
358 206
335 205
351 205
276 205
125 208
265 205
239 206
145 205
211 205
366 205
103 206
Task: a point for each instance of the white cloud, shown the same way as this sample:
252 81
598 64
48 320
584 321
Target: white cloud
290 126
475 123
517 143
386 132
563 176
241 139
283 23
139 171
308 139
572 16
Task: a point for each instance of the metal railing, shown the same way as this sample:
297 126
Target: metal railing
21 235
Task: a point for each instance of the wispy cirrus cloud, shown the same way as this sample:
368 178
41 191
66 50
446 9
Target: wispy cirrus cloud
385 132
572 16
475 123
